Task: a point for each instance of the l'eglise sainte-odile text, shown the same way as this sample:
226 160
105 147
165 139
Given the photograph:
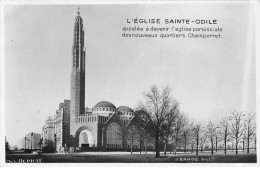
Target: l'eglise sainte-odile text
170 21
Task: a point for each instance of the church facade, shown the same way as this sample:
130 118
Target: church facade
103 127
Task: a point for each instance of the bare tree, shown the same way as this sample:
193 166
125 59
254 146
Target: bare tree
132 136
178 125
197 129
249 128
225 131
211 133
232 144
237 127
170 124
157 106
202 141
254 139
146 137
243 139
192 145
217 138
186 132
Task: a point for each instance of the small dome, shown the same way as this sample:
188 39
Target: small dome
124 109
104 104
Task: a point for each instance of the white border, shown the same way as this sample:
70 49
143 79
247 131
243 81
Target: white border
73 2
257 54
109 165
2 90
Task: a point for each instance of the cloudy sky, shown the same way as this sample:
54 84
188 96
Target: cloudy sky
209 77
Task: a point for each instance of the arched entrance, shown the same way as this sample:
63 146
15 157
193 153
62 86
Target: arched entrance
84 137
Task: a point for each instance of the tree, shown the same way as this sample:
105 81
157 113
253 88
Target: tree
254 139
132 136
237 127
232 144
217 138
244 139
49 147
249 129
202 141
178 125
192 145
211 133
170 125
158 106
225 131
197 132
186 132
146 137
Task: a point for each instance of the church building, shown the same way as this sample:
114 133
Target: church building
103 127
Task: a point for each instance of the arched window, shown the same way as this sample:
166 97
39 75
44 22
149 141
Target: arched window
114 136
107 109
103 109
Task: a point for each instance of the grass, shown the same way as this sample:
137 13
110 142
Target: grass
125 157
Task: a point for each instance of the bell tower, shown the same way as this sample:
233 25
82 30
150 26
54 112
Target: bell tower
77 105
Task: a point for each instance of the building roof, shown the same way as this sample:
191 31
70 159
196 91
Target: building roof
124 109
104 104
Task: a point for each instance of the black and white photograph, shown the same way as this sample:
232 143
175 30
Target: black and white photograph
151 82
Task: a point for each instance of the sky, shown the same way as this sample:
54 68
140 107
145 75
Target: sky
209 77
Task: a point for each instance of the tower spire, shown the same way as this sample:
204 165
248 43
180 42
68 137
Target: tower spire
77 99
78 69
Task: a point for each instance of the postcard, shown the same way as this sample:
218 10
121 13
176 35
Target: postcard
131 82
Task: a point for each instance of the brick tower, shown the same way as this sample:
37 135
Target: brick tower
77 105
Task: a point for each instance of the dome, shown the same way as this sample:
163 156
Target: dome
104 104
124 109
